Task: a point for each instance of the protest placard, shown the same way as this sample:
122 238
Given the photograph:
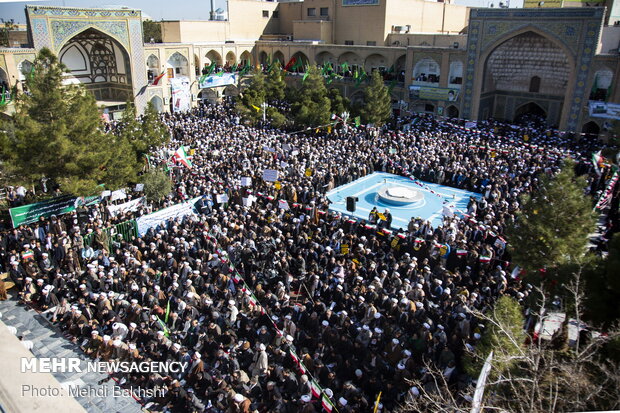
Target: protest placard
270 175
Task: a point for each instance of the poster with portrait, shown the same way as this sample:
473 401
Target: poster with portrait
181 94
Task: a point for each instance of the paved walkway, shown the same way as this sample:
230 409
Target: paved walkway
49 342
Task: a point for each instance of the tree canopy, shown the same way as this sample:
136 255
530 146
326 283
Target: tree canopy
378 104
57 133
157 184
151 31
312 106
553 225
504 334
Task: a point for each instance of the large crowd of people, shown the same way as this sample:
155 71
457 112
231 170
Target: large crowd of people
238 288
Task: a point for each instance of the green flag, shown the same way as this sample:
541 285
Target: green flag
220 74
305 76
202 79
211 68
298 65
345 67
234 67
360 78
3 100
391 86
167 310
357 121
595 84
245 69
163 326
32 72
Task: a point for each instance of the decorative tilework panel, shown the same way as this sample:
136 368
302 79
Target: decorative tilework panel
40 34
78 12
62 30
138 63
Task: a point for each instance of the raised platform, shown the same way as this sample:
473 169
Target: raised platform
399 195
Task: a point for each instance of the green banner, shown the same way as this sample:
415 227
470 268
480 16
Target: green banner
27 214
433 93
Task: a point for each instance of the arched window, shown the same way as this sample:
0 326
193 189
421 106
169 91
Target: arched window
534 84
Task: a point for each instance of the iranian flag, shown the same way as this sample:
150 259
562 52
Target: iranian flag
315 389
327 404
461 252
294 357
485 258
253 301
180 155
236 278
598 161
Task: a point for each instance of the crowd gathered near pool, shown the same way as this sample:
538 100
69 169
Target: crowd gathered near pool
295 308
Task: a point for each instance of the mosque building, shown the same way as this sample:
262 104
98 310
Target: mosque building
558 60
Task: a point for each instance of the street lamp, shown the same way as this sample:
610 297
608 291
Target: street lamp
264 106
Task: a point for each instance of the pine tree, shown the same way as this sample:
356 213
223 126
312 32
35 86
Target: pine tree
154 132
312 106
156 184
553 225
339 103
251 98
275 87
377 102
143 133
57 134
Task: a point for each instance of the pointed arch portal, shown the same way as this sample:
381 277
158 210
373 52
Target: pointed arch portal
100 63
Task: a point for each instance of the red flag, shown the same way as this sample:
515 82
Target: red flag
158 78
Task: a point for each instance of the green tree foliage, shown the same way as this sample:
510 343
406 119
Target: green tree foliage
252 97
56 132
151 31
553 225
260 90
312 106
603 288
6 27
275 87
503 335
143 133
276 118
378 104
156 184
339 103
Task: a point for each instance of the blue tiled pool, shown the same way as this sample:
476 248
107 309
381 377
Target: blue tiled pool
430 208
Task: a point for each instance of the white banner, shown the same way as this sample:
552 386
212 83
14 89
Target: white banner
221 198
130 206
221 80
482 379
116 195
181 94
604 110
246 181
270 175
176 211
